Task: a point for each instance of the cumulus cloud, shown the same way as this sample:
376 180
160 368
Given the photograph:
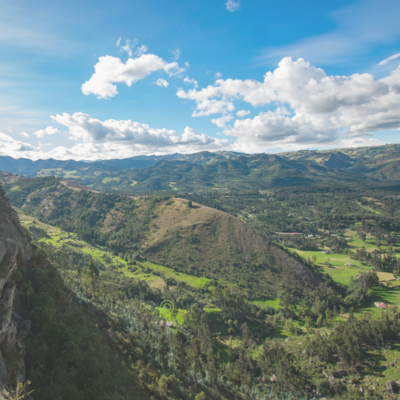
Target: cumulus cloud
387 60
232 5
191 81
222 121
24 134
137 138
12 147
242 113
319 108
110 70
48 131
161 82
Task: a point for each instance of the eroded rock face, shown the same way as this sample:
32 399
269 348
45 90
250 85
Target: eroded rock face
14 251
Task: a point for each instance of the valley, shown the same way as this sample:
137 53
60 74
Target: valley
267 284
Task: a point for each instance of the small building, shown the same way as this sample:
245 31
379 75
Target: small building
349 265
380 305
356 275
325 252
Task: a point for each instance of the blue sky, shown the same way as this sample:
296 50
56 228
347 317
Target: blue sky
185 76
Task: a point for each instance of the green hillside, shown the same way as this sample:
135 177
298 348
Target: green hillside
192 238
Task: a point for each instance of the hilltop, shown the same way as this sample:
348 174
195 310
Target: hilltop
194 239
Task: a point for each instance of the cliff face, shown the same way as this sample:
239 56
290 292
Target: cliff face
14 251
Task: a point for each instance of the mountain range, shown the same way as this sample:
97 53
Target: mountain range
223 172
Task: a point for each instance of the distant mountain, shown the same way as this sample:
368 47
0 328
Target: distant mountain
378 162
79 169
255 172
222 172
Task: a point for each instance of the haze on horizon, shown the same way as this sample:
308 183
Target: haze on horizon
96 80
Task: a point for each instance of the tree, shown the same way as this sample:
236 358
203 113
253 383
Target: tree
289 325
179 344
93 273
307 325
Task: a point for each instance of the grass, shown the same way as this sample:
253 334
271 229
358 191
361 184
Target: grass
274 303
109 180
169 316
369 209
389 296
57 238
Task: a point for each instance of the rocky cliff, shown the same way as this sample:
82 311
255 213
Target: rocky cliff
14 251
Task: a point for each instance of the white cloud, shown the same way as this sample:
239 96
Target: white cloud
111 70
217 75
221 122
24 134
232 5
242 113
191 81
112 139
48 131
12 147
161 82
176 53
321 109
133 136
391 58
141 50
128 46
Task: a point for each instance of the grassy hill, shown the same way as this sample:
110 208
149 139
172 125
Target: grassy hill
197 240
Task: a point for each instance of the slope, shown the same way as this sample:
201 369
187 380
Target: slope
198 240
46 336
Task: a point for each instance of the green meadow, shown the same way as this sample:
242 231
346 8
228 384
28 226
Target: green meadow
58 238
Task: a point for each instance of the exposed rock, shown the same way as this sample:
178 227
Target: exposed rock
14 251
3 371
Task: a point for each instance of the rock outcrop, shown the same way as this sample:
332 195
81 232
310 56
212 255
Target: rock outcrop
14 251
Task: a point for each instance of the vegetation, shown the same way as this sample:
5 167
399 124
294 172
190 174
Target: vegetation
273 291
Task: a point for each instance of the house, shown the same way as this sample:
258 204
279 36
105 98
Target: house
349 265
357 275
380 305
325 252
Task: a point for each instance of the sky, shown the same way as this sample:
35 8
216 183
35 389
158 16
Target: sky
89 80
